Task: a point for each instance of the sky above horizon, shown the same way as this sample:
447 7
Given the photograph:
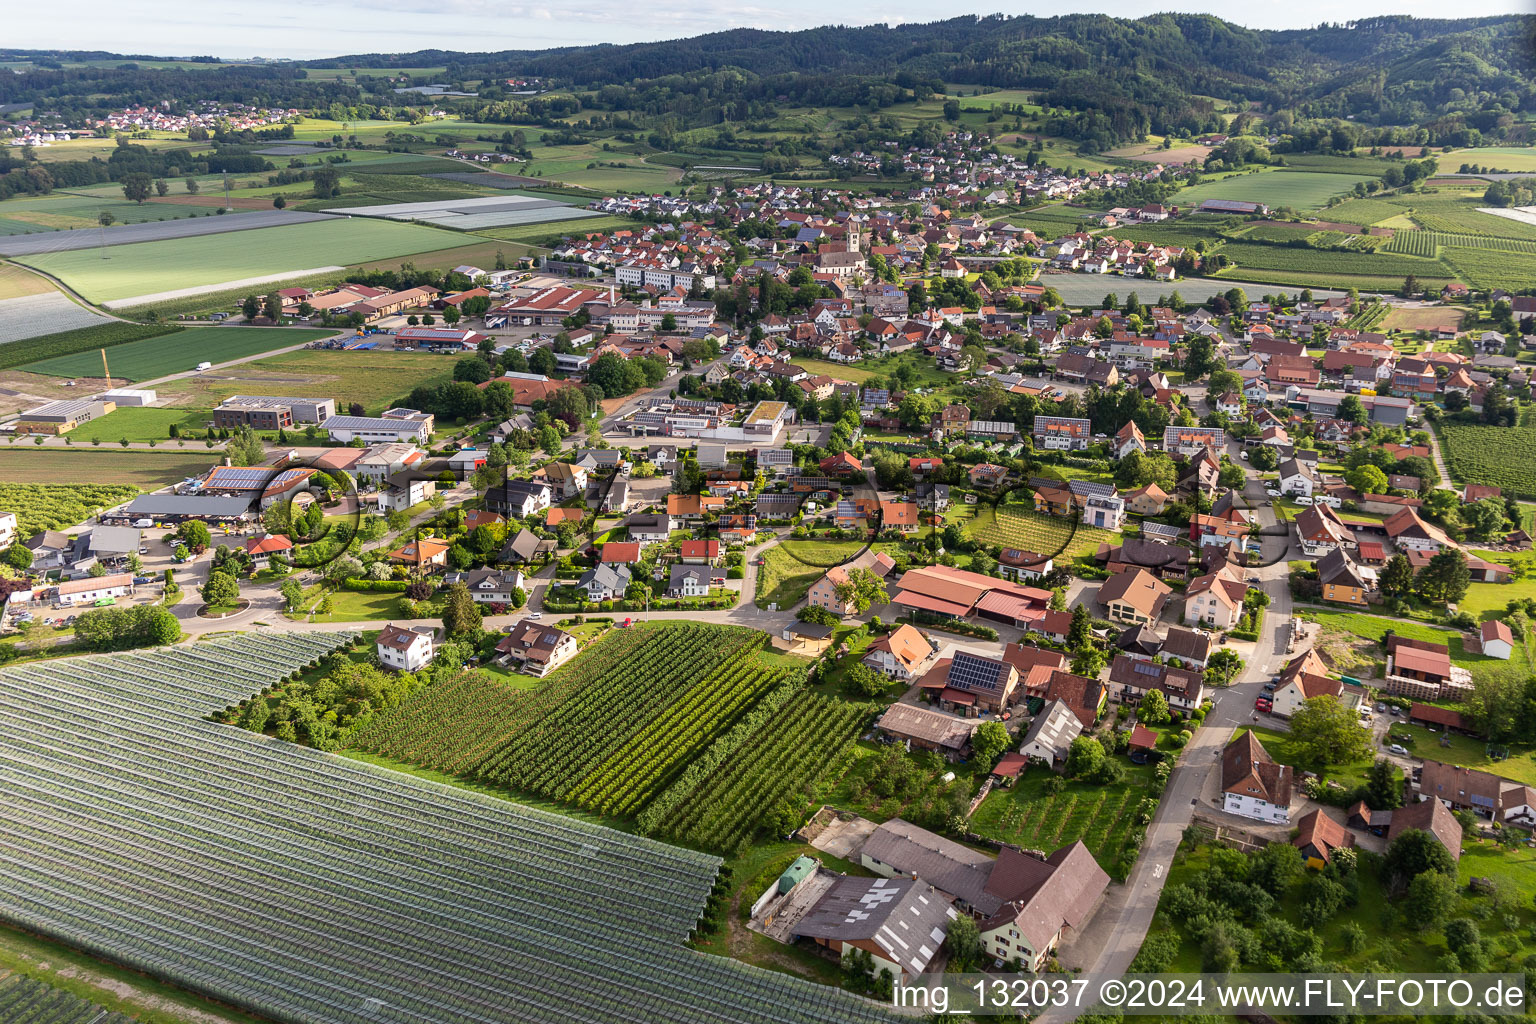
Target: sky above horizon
318 28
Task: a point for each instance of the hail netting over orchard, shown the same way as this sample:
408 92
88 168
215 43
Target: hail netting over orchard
310 888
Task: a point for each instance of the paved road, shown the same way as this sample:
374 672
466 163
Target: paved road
1113 937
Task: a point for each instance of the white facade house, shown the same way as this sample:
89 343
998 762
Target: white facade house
1253 785
7 529
1297 479
405 649
91 589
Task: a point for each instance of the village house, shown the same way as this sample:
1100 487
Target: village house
537 649
1135 596
1253 784
406 648
899 654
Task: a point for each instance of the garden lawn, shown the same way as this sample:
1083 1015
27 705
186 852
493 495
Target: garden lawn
791 567
1467 751
1374 627
1487 600
176 353
140 424
1283 747
1101 816
839 371
1301 190
148 268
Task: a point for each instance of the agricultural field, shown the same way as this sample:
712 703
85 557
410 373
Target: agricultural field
791 567
376 379
29 487
1519 160
157 357
64 211
1457 212
207 222
1490 268
475 213
1502 456
1426 243
80 339
1299 190
26 999
16 282
471 937
1103 817
136 273
535 234
29 316
1020 527
1365 212
699 752
1251 256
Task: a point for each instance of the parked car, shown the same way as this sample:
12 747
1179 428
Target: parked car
1269 687
1380 707
1395 710
1243 455
1398 748
1272 492
535 615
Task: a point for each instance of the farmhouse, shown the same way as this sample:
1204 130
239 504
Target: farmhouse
1184 688
900 654
970 682
899 922
957 593
538 649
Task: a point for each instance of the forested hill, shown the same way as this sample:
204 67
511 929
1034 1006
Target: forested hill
1390 69
1101 80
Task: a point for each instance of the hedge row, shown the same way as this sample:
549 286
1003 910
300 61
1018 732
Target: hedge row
376 586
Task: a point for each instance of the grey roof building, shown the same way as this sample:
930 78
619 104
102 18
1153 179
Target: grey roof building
905 921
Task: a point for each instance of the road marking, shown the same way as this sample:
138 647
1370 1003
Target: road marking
1157 871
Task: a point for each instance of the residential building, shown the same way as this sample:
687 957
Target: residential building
1186 648
1410 533
1041 900
1132 678
1297 478
8 527
518 499
1051 734
536 648
1186 442
1253 785
1134 596
973 683
406 648
823 593
1318 836
1469 789
899 654
489 586
1150 500
1062 433
1215 598
425 554
1305 677
1432 813
689 581
1342 580
605 582
566 480
1320 530
262 547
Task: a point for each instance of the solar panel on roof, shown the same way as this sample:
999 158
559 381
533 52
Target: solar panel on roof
968 671
1147 669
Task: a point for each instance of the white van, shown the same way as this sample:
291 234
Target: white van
143 524
204 366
